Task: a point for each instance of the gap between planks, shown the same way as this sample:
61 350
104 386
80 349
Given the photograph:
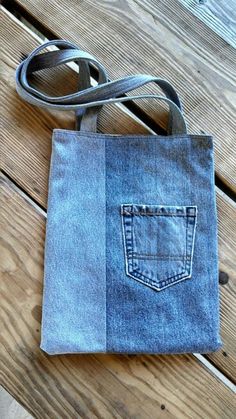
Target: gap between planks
201 52
41 34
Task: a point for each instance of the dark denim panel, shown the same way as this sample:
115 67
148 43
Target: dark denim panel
162 172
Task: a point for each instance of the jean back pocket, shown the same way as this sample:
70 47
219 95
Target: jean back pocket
158 243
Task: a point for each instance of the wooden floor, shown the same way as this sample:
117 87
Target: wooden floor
193 46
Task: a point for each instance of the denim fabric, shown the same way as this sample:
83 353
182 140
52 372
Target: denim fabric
131 262
165 256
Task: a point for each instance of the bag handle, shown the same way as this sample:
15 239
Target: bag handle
88 100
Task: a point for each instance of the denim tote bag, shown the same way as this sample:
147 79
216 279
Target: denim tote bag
131 263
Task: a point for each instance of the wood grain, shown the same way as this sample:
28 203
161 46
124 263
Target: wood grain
26 129
226 359
142 36
219 15
87 386
26 155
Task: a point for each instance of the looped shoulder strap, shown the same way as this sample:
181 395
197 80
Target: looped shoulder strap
88 100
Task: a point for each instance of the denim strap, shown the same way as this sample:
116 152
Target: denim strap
88 100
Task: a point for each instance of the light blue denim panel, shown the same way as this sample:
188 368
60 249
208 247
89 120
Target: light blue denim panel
74 299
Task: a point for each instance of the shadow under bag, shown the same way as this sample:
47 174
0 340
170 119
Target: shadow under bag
131 262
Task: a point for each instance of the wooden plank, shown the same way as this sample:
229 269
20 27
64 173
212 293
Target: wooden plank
23 142
88 386
161 38
226 358
26 160
219 15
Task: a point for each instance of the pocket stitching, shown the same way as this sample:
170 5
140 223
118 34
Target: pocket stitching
151 280
128 247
